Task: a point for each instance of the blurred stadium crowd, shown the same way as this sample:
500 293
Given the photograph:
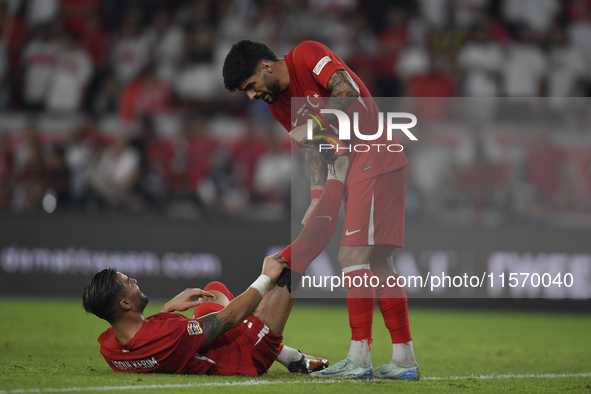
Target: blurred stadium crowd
119 105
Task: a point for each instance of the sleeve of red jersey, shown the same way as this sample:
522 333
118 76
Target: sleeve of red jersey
319 60
186 335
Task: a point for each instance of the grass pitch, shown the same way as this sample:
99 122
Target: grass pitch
49 345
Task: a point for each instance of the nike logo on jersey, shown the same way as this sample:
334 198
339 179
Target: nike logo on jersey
325 217
294 123
347 233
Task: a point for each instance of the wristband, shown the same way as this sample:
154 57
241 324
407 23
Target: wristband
261 284
315 193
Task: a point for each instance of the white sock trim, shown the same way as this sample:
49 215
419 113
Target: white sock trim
288 355
403 354
356 267
360 353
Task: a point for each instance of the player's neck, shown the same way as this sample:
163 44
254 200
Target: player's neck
282 75
127 326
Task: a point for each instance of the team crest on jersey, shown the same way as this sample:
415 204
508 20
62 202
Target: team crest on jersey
194 328
320 65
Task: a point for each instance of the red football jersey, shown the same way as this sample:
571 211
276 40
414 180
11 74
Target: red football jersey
172 343
310 65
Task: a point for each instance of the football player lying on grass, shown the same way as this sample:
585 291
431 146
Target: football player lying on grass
226 336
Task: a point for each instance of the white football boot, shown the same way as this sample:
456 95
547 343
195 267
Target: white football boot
345 369
395 371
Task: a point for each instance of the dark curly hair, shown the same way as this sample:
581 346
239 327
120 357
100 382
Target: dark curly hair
102 294
242 60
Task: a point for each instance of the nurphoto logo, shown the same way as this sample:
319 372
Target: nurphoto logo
344 129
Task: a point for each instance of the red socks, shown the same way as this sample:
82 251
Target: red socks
393 305
287 254
318 229
360 302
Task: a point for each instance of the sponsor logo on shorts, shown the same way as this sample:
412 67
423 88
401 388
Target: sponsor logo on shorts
366 168
320 65
347 233
194 328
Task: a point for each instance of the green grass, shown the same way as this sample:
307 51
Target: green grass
48 343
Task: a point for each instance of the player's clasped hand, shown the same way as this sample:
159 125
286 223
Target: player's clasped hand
182 301
273 266
298 137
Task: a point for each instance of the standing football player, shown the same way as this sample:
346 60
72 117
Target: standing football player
373 191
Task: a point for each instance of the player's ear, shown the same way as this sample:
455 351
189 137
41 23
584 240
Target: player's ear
125 304
266 67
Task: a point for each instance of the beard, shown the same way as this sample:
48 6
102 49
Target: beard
272 85
141 301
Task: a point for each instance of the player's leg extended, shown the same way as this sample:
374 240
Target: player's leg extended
321 225
393 305
274 310
354 261
318 230
275 307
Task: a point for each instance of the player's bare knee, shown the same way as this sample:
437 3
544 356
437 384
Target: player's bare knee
219 298
354 255
347 258
382 266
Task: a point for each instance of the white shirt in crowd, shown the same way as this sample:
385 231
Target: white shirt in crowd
166 49
39 59
482 63
413 60
580 35
116 170
436 12
565 68
523 69
129 56
537 14
272 171
72 73
41 12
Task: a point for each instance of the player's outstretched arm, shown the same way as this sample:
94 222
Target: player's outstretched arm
215 324
318 171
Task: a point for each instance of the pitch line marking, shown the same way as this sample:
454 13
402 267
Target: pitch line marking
266 382
511 376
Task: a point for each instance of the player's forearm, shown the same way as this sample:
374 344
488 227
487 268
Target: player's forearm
215 324
241 307
316 168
